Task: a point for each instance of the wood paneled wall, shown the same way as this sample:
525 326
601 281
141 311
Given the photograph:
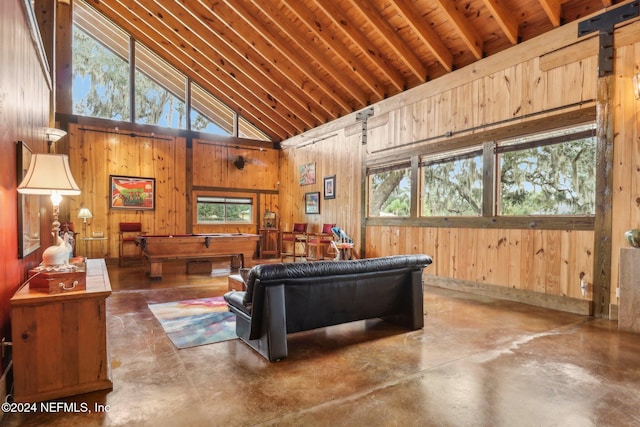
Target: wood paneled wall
181 173
545 82
95 153
24 113
334 153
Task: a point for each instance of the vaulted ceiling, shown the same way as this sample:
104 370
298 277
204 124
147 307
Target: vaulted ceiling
290 65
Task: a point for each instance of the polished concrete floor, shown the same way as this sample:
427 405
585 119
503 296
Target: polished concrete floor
477 362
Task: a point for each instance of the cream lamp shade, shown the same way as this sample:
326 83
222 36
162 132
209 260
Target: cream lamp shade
54 134
85 214
50 174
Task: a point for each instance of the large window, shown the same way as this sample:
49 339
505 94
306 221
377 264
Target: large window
224 210
548 174
101 86
452 184
390 191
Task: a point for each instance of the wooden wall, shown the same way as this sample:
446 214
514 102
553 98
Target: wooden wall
24 113
181 172
333 153
95 153
215 173
542 83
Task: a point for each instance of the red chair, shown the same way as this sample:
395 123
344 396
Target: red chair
297 237
127 236
319 242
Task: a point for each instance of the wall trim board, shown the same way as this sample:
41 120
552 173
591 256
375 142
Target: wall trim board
554 302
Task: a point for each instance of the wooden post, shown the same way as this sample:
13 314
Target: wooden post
604 198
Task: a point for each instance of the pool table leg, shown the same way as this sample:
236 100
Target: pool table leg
155 269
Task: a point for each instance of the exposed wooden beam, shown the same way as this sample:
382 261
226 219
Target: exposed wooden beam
312 50
279 64
390 36
205 40
504 18
360 41
343 53
466 31
425 33
283 46
553 9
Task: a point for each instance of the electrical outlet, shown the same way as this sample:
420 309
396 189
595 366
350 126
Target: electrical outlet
617 292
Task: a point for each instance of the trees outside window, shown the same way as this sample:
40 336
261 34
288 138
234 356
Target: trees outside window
555 176
220 210
550 173
390 193
453 185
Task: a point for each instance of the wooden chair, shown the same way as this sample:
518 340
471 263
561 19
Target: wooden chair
318 243
296 237
127 236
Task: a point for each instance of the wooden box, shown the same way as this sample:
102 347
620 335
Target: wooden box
53 282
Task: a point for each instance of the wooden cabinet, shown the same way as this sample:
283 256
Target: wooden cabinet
60 340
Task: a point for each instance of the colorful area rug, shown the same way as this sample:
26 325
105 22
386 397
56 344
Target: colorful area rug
196 322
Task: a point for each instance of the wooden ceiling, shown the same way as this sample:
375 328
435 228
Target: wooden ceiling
290 65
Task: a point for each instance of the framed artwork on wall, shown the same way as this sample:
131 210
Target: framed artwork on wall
330 187
312 203
134 193
28 207
308 174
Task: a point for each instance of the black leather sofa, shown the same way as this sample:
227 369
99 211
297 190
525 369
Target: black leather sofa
291 297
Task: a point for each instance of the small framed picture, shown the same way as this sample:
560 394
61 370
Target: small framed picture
312 203
330 187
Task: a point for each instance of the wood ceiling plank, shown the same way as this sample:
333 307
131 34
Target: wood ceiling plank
312 50
306 16
197 38
360 41
391 38
553 9
505 19
277 65
425 33
466 31
134 20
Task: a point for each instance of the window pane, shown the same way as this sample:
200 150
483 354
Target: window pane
218 210
160 91
557 179
100 86
390 193
208 114
452 187
247 130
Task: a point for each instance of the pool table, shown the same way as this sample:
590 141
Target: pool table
195 246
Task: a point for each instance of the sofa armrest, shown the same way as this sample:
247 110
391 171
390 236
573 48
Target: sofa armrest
236 300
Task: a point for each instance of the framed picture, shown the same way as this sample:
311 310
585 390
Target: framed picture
28 207
134 193
330 187
312 203
308 174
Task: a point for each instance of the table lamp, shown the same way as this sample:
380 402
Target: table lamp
85 214
50 174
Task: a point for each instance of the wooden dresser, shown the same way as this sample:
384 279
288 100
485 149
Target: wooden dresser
60 340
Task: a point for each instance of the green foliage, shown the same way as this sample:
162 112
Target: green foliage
453 188
555 179
107 76
390 193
